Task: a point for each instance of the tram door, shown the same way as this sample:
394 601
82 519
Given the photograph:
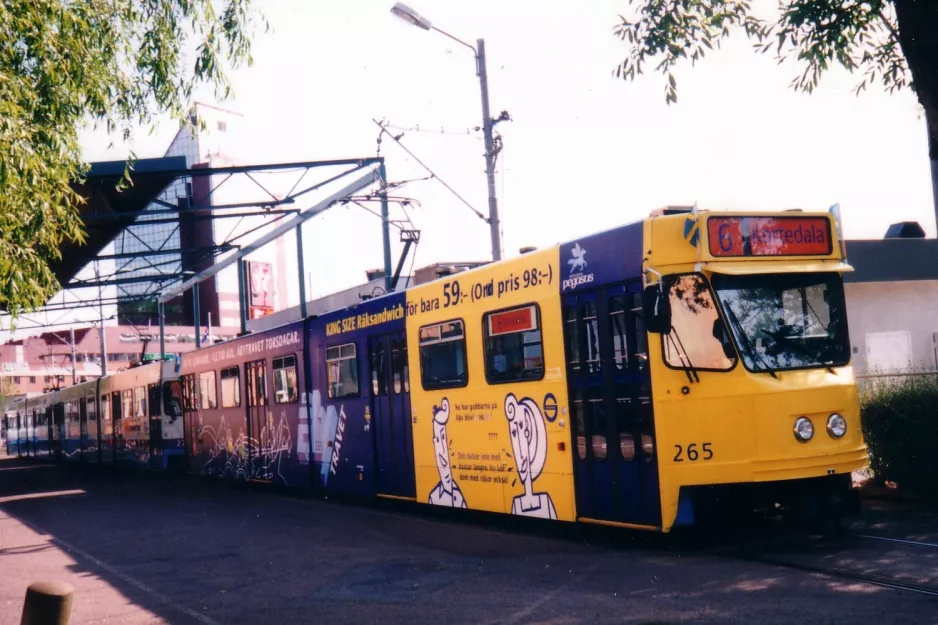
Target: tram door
255 374
117 427
390 417
611 412
84 454
58 431
191 432
154 406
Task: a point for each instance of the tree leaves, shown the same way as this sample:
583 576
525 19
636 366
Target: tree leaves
113 62
859 35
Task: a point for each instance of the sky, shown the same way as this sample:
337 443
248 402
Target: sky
583 151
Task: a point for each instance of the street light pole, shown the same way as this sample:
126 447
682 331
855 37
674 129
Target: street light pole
494 224
411 16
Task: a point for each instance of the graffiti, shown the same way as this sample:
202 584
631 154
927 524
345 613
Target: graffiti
529 443
446 492
245 458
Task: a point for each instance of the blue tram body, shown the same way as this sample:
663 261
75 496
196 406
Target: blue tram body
360 399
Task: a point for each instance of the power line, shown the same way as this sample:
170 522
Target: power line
468 132
397 140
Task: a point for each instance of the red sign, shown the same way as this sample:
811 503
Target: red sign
518 320
256 312
259 276
769 236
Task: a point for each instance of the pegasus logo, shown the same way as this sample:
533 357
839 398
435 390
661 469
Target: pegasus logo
577 263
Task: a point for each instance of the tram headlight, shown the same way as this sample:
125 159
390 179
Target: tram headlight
836 426
804 429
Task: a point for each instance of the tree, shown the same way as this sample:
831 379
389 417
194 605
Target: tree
890 42
119 63
8 389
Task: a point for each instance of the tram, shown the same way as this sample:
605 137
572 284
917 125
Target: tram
646 377
132 418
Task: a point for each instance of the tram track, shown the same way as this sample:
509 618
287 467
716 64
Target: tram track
800 559
883 582
901 541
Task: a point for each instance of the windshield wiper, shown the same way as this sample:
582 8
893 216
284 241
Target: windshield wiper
801 348
747 343
679 347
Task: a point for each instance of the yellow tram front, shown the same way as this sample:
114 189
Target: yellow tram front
755 401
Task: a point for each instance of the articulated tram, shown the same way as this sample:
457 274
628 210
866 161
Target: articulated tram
644 377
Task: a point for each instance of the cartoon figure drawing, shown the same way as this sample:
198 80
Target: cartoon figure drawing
447 492
528 433
578 262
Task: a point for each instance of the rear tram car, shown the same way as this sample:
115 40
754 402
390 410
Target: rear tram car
29 427
640 377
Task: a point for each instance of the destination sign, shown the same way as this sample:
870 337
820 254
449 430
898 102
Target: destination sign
769 236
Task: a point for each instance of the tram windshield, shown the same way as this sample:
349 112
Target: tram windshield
790 321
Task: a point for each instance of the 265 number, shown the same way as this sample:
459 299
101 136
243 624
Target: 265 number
692 453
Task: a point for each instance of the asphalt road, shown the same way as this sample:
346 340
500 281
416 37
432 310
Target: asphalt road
144 549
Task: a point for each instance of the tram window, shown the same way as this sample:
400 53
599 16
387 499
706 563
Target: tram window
342 368
90 408
620 351
624 411
188 392
405 370
396 368
230 387
257 383
514 351
285 379
379 385
154 395
579 423
127 403
597 420
591 327
443 355
207 390
140 402
641 335
693 318
573 338
105 405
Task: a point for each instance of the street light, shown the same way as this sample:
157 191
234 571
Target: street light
412 17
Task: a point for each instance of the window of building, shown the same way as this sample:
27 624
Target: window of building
443 355
514 351
16 379
32 379
342 368
230 388
285 380
222 126
207 390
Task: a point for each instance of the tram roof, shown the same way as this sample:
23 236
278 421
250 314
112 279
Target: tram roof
107 210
